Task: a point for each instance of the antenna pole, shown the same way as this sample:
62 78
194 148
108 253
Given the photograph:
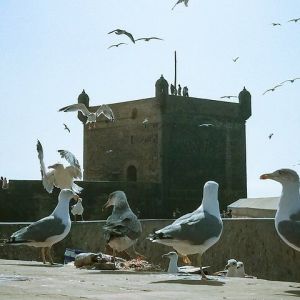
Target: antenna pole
175 79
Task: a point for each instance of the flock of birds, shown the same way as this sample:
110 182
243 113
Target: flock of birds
192 233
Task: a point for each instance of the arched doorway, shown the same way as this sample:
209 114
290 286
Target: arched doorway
131 173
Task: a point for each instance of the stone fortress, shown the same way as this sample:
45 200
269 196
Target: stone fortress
160 140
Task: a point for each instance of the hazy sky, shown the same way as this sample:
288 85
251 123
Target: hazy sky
50 50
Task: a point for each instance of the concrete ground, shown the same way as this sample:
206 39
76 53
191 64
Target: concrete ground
32 280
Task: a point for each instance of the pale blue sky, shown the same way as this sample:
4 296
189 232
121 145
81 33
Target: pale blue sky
50 50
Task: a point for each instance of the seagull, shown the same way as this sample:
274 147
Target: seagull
91 116
145 122
228 97
276 24
270 135
235 59
67 128
61 177
122 228
173 268
147 39
231 268
290 80
197 231
287 218
272 89
121 31
77 209
116 45
294 20
109 151
180 1
47 231
205 125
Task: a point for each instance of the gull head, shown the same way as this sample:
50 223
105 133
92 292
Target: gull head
171 255
117 198
231 264
55 166
282 176
67 194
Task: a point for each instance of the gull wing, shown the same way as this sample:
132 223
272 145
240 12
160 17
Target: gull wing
74 169
106 111
76 107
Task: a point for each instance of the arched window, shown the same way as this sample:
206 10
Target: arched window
134 113
131 173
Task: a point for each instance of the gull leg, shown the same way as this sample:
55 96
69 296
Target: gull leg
203 276
74 218
82 218
48 251
43 255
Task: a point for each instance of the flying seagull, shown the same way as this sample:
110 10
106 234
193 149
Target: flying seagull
228 97
180 1
197 231
272 89
147 39
121 31
47 231
290 80
270 135
91 116
122 228
294 20
61 177
67 128
287 218
205 125
235 59
116 45
276 24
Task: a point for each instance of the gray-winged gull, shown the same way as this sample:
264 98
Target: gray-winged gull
47 231
287 218
61 177
197 231
122 228
173 267
91 116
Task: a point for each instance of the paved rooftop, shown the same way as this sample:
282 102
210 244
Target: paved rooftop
32 280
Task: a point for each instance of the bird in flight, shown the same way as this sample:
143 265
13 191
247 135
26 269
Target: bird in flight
116 45
270 135
272 89
91 116
290 80
121 31
235 59
205 125
67 128
276 24
228 97
294 20
180 1
147 39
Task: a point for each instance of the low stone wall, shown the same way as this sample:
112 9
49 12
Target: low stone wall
253 241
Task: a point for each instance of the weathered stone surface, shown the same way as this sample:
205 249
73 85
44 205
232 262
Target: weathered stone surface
253 241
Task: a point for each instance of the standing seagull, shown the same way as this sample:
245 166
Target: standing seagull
122 228
91 116
67 128
77 209
121 31
180 1
287 218
47 231
61 177
197 231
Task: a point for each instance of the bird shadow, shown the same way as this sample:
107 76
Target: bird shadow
192 282
119 272
293 293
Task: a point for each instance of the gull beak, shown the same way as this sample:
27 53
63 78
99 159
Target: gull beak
165 255
107 204
265 176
